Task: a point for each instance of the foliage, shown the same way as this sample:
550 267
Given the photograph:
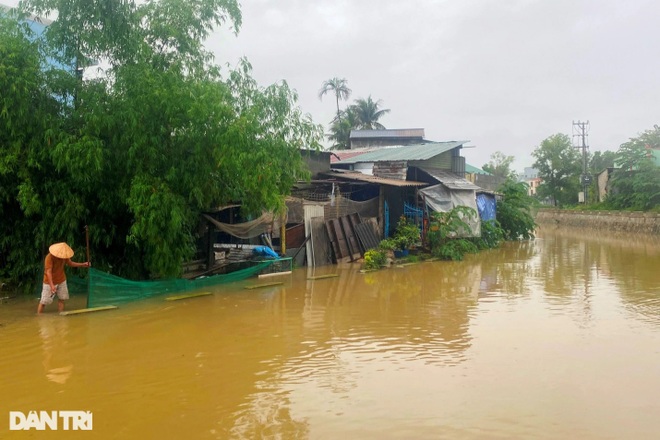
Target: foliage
456 249
388 244
636 185
363 114
601 160
514 211
499 165
340 129
559 167
446 230
139 153
375 259
406 234
368 112
492 235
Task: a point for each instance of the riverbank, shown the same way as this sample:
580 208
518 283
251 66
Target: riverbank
613 221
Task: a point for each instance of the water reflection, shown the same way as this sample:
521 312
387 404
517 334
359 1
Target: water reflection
54 333
573 262
505 271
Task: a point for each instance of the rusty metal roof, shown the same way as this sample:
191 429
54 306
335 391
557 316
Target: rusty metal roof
354 175
404 152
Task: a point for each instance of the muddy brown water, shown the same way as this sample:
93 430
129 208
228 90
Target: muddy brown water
551 339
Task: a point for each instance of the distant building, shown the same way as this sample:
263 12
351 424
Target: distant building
533 185
529 173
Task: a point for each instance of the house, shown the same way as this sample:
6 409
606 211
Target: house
483 179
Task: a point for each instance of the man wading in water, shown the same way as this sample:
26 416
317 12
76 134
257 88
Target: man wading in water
54 277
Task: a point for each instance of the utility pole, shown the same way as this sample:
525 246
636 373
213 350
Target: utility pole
580 130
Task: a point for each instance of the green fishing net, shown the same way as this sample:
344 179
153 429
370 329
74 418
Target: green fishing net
104 289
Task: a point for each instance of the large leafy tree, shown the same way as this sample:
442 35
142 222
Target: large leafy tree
514 211
559 167
601 160
499 165
636 185
339 87
138 153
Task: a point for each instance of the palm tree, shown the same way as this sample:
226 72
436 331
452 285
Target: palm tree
368 113
339 86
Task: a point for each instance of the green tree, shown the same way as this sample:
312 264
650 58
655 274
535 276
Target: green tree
600 160
368 112
28 109
340 129
559 167
514 211
338 86
145 149
499 165
637 184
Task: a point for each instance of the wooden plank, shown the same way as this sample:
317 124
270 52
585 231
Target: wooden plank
88 310
267 275
186 296
321 277
333 240
295 236
322 250
353 247
258 286
344 253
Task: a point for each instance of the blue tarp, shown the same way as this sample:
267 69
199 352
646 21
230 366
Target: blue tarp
486 206
265 251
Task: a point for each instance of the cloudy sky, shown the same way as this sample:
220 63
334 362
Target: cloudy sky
504 74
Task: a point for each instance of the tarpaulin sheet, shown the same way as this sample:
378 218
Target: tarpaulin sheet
442 199
487 206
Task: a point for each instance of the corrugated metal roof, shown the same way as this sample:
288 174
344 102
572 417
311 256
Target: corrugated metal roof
341 155
387 133
405 152
474 170
353 175
449 179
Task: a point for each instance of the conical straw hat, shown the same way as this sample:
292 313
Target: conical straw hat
61 250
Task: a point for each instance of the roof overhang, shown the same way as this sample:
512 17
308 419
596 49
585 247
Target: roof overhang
359 177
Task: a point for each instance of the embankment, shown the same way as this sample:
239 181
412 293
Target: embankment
613 221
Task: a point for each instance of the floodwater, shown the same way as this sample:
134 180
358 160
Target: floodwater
552 339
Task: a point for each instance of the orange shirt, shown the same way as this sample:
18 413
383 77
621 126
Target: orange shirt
56 265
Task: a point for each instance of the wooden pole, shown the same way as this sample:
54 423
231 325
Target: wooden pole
87 241
89 276
283 234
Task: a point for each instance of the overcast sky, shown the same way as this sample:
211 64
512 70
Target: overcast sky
503 74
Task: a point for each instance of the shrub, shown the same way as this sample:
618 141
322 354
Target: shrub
406 234
455 249
374 259
492 235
